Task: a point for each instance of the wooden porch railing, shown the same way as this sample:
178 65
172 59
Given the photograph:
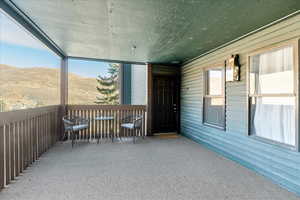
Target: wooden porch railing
107 128
24 136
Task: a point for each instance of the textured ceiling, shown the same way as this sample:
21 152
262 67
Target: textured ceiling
161 31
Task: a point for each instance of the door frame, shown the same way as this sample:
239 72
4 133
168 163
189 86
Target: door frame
150 79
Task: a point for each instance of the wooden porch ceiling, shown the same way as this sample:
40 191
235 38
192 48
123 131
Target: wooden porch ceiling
149 30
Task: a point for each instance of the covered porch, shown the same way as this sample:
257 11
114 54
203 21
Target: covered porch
153 168
215 89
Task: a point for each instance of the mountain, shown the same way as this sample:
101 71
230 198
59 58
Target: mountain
39 86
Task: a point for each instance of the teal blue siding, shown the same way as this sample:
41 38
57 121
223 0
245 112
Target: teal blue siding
126 85
280 164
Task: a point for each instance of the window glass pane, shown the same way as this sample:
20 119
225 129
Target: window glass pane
29 71
214 111
93 82
214 82
274 118
272 72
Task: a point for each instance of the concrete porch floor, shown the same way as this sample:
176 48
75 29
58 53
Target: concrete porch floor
151 169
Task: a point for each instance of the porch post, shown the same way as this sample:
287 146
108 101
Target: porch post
63 93
121 84
149 98
64 82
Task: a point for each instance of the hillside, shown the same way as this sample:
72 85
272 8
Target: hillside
31 87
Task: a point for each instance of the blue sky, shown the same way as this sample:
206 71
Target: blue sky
88 68
19 48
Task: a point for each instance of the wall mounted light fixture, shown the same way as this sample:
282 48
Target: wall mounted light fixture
233 68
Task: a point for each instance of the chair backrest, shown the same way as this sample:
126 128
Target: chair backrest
138 121
70 121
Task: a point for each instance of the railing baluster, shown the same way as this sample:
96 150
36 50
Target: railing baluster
33 139
21 146
83 114
7 153
12 151
45 133
118 115
42 133
80 132
29 140
24 136
17 148
2 157
121 131
38 126
92 116
48 131
101 124
106 129
106 125
114 123
96 124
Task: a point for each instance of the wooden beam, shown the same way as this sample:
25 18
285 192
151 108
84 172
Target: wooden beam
106 60
64 82
149 98
17 14
63 95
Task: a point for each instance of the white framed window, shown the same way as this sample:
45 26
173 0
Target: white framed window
272 95
214 98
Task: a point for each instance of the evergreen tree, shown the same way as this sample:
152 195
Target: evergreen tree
108 86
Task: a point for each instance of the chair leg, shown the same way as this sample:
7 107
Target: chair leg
142 134
88 137
73 138
112 135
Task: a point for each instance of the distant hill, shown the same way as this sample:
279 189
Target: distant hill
39 86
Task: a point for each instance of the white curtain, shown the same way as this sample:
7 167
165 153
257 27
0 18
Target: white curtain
275 122
274 117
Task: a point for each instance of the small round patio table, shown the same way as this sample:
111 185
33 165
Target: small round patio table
106 119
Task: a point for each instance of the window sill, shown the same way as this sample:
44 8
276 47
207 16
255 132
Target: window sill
214 126
275 143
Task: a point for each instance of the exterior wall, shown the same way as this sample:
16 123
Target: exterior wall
138 84
277 163
125 84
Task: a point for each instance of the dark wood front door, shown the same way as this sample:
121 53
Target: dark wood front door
165 104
